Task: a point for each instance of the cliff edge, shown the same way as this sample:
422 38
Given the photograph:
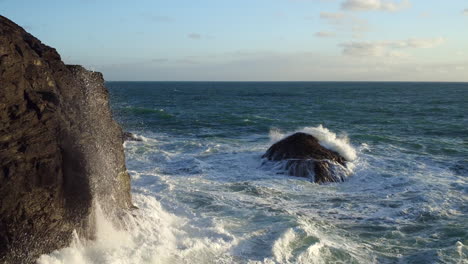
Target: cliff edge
60 149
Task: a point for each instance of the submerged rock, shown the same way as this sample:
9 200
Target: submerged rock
60 149
301 155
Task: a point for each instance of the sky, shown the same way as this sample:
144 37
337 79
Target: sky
254 40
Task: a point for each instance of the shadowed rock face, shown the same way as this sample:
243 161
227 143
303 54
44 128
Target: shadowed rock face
60 149
301 155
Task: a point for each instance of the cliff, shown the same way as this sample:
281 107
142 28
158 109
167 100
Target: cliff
60 149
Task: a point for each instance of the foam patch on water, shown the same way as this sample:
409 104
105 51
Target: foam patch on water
306 244
325 137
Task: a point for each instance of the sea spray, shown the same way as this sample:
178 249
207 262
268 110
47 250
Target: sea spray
325 137
106 240
150 235
338 172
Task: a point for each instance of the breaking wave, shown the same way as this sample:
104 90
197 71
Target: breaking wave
325 137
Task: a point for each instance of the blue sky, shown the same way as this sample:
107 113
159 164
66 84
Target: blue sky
255 40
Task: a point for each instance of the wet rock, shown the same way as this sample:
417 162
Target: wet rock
301 155
60 149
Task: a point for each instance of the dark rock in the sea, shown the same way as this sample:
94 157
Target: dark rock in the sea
127 136
60 149
301 155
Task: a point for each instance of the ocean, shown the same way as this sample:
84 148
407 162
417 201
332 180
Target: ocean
204 196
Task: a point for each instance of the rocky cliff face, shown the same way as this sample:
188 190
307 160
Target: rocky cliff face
60 149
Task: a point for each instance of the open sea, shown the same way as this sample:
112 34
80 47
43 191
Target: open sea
204 196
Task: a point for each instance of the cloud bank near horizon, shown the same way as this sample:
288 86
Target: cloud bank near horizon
380 5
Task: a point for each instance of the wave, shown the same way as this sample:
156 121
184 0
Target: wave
142 138
305 243
325 137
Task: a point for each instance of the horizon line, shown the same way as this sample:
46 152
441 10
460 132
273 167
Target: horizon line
230 81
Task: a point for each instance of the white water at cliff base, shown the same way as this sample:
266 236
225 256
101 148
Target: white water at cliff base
152 236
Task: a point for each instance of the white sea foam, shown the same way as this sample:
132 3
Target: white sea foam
109 241
325 137
152 235
282 250
319 248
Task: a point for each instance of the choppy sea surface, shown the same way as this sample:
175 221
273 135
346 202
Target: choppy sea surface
204 197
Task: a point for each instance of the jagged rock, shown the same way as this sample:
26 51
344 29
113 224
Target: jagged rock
301 155
60 149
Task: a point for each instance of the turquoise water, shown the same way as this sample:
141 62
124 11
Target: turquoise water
205 198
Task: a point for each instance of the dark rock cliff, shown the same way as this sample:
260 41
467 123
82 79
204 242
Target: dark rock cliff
60 149
301 155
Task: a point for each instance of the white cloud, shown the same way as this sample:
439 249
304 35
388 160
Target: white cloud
194 36
323 34
274 66
465 12
346 22
422 43
388 48
381 5
368 49
332 16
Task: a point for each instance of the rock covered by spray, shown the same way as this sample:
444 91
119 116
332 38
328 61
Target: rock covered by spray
302 155
60 149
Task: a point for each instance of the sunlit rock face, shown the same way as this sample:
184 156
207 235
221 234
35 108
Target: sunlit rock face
301 155
60 149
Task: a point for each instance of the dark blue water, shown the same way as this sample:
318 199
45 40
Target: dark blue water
430 119
204 198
